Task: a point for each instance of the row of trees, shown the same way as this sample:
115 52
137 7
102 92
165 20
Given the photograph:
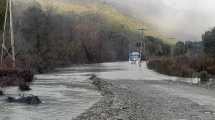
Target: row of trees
189 59
46 39
209 42
206 46
155 47
187 48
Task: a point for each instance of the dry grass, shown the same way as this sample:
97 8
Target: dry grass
183 66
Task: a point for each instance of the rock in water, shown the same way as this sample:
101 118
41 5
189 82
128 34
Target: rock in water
24 88
93 76
1 93
11 99
31 100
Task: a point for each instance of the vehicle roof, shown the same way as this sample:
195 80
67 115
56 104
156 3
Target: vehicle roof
135 53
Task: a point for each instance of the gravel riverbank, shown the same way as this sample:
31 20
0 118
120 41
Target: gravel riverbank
116 104
147 100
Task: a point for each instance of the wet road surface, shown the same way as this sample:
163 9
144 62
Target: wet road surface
66 92
200 95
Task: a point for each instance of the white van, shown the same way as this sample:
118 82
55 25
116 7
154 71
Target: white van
134 57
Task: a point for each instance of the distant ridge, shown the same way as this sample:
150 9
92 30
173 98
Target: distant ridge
107 11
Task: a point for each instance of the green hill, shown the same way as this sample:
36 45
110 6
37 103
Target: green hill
108 12
61 32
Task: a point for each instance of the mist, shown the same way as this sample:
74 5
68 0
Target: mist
183 20
180 19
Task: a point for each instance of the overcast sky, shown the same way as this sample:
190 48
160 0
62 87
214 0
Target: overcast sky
183 19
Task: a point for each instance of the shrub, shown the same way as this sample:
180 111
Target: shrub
1 93
177 66
209 42
183 66
204 77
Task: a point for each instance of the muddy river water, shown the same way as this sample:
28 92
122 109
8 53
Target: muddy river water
66 92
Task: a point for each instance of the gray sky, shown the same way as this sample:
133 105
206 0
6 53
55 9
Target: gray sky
183 19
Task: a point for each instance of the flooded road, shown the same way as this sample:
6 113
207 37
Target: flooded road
66 92
124 70
201 96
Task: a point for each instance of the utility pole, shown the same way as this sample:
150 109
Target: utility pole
172 48
12 36
142 40
4 30
12 42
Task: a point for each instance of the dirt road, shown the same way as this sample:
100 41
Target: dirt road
151 100
163 100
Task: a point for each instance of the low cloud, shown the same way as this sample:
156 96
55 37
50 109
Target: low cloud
182 19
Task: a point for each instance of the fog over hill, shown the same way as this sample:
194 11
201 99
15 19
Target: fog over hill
182 19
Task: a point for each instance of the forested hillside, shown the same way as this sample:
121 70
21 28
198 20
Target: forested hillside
49 34
110 12
47 37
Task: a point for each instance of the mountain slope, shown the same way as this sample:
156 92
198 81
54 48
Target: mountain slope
106 11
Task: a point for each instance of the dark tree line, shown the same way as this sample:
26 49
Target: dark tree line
189 59
206 46
156 47
47 39
209 42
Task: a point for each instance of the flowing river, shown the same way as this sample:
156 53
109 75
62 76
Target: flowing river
66 92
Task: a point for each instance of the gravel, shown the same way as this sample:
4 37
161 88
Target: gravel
144 100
